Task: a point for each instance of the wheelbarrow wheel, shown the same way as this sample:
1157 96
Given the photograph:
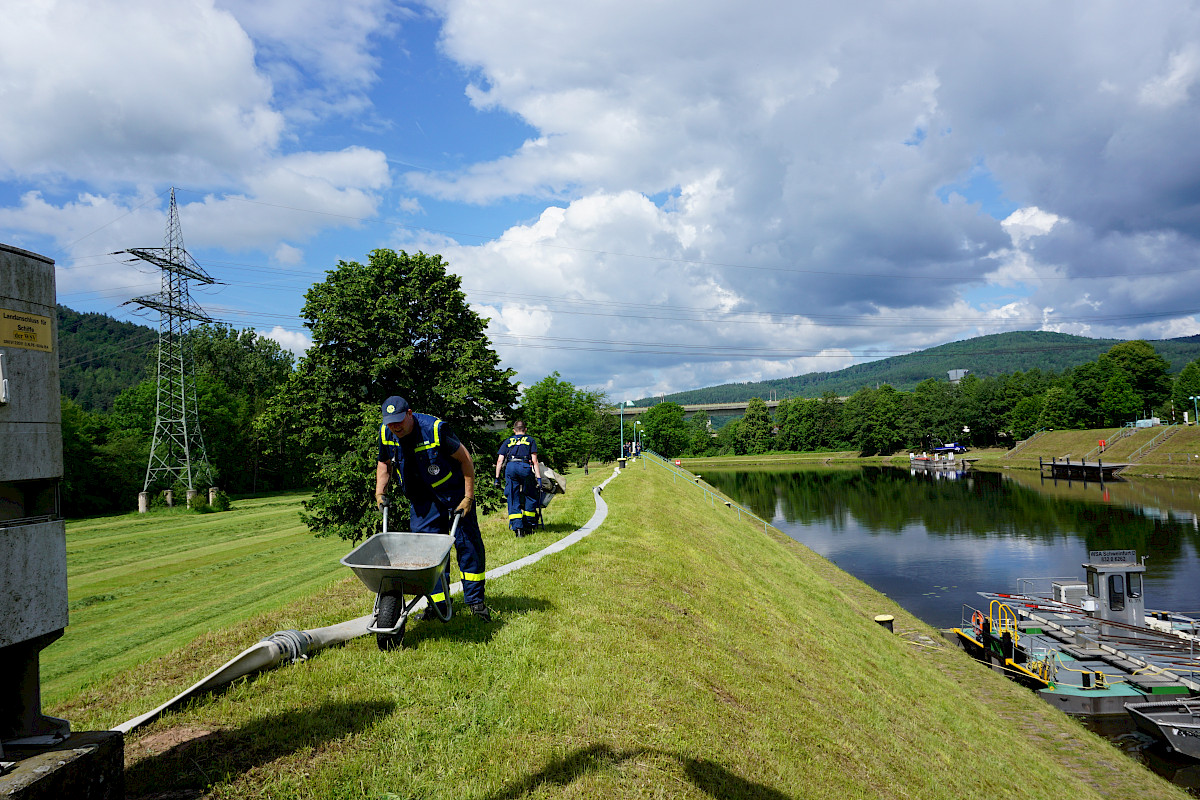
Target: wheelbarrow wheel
389 612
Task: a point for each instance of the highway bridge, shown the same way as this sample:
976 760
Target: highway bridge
692 408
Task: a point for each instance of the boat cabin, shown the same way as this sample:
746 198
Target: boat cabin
1114 587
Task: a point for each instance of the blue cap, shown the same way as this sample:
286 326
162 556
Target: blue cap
394 409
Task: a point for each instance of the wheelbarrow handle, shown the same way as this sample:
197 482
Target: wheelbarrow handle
455 516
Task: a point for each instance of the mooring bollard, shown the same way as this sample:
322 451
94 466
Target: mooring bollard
885 621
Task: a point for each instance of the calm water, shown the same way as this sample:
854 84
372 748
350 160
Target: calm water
931 542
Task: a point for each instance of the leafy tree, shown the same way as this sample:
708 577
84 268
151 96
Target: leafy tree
700 438
934 404
237 374
755 433
1088 382
789 419
563 419
398 324
1119 403
1187 386
1055 410
828 424
103 467
726 437
1149 373
665 429
1025 418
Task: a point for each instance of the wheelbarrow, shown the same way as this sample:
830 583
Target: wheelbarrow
401 568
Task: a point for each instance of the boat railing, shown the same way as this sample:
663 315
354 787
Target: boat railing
972 618
1086 676
1003 620
1043 587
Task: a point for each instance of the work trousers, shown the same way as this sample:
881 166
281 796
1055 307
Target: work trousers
520 489
468 545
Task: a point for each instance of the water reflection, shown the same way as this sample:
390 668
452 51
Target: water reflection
930 543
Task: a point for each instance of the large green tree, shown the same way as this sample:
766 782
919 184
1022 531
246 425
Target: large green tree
237 374
665 429
399 324
1187 386
1120 403
564 419
1149 373
756 435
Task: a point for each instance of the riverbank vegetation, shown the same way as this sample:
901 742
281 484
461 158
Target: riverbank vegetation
1129 382
675 652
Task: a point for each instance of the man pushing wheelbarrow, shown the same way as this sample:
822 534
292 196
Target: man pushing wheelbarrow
438 478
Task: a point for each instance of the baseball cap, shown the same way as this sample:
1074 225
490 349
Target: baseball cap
394 409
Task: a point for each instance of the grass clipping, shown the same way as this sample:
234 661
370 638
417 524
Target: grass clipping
675 652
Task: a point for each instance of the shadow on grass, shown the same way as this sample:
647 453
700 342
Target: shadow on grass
555 528
707 776
465 626
191 766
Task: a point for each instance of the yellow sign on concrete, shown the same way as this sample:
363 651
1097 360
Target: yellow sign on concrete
22 329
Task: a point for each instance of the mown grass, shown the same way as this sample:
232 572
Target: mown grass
675 652
140 585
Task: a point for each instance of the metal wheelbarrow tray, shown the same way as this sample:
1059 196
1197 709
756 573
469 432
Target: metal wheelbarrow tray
396 565
386 560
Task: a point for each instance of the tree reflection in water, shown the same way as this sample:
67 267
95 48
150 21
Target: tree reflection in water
931 543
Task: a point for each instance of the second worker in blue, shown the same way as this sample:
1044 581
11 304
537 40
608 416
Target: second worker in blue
438 477
518 459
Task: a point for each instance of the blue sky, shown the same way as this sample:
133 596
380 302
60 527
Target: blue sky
643 197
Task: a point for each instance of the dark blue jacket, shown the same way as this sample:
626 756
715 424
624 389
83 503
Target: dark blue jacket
424 462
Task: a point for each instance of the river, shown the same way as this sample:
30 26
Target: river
930 542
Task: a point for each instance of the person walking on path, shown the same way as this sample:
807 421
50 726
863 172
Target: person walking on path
518 459
437 476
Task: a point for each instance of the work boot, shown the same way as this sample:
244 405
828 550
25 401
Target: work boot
431 613
481 611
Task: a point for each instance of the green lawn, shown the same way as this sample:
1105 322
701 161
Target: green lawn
675 652
141 585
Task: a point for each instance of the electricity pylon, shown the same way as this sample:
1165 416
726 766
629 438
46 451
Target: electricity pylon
177 451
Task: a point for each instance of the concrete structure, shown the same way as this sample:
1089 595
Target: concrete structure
33 551
33 547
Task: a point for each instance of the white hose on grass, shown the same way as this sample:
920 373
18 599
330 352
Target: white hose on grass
292 645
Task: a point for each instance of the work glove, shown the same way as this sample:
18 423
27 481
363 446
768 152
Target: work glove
497 483
466 505
381 501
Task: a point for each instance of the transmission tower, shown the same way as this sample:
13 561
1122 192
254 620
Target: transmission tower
177 452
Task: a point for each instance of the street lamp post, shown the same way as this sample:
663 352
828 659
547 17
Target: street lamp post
623 404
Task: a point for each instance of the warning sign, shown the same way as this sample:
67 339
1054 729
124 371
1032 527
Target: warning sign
22 329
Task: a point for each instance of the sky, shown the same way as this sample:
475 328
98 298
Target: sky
645 197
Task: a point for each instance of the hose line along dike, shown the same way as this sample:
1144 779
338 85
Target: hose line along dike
292 645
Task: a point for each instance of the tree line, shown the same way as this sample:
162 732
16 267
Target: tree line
397 324
400 324
1128 382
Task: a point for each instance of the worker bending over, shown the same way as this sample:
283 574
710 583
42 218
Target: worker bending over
518 458
438 478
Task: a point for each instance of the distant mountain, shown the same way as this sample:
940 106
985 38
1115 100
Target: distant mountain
984 356
99 357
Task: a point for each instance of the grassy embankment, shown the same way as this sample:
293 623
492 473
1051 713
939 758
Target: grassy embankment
1175 457
675 652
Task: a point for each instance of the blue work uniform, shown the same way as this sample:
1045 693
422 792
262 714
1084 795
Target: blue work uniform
433 483
520 484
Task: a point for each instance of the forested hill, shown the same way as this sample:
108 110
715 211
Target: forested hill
99 357
984 356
